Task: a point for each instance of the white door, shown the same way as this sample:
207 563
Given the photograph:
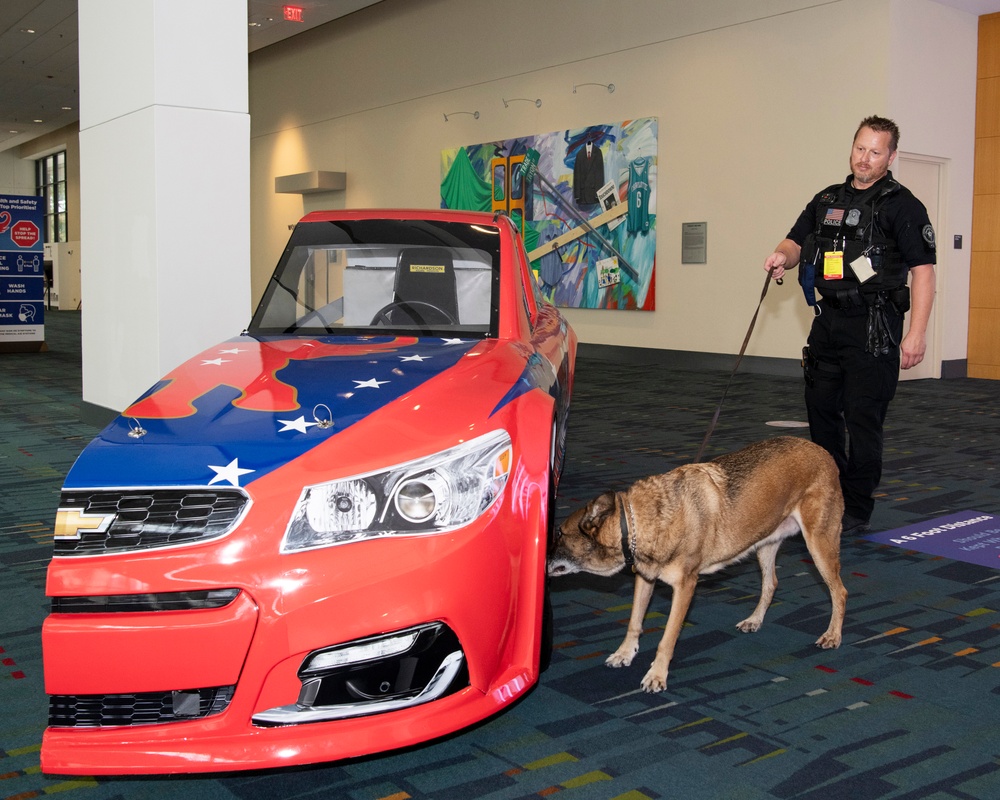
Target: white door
922 176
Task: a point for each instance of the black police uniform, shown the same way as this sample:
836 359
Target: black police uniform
852 359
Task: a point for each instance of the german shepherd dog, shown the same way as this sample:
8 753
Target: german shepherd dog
697 519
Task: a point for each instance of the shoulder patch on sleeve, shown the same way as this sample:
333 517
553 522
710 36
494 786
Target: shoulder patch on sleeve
928 234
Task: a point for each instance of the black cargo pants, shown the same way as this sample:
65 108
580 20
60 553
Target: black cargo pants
847 395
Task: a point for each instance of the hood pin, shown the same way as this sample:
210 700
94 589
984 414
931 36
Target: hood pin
327 420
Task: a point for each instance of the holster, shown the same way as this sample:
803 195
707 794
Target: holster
808 366
811 366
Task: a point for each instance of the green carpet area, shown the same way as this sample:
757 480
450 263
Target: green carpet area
906 708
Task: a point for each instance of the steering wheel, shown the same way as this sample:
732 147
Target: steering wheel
410 308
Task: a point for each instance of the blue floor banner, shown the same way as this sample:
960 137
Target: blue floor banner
970 536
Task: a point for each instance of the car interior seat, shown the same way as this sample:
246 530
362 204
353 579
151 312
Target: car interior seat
425 281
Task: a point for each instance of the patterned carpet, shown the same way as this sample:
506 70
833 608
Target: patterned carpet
906 708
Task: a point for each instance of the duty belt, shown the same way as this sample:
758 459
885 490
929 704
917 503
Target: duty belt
844 298
847 299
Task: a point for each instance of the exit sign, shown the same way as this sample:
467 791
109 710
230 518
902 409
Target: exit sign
292 13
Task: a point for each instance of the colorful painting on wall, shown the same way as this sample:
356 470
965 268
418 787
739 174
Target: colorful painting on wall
588 211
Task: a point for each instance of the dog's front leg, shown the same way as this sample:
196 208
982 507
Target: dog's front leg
656 678
626 651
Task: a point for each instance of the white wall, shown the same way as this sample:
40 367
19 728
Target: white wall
757 103
931 100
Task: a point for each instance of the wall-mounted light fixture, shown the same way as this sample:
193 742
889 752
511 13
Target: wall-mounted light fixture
506 103
473 114
609 86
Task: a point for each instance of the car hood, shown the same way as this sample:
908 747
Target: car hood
267 400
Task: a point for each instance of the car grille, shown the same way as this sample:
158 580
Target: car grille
149 708
150 518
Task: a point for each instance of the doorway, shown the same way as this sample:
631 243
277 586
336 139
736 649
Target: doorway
922 176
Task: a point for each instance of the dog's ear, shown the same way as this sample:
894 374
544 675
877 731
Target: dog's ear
597 511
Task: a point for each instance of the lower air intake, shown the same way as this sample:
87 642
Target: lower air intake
148 708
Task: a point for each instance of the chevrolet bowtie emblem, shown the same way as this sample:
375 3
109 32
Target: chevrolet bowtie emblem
72 523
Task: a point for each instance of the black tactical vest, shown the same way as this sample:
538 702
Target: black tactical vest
852 227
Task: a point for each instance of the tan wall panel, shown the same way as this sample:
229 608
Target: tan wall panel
989 46
987 107
984 335
986 223
984 285
983 371
984 268
986 179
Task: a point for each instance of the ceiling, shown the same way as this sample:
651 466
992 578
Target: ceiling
38 54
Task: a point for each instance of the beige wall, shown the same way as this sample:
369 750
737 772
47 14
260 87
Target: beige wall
755 116
17 169
757 103
67 139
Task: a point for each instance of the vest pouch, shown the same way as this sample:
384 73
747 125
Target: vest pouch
900 299
807 280
807 269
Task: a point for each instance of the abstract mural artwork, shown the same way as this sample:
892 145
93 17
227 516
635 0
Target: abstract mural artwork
587 211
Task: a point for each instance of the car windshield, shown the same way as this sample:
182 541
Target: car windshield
364 277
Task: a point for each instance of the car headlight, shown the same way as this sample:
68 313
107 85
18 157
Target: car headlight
430 495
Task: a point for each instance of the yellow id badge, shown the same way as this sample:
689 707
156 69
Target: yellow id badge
833 265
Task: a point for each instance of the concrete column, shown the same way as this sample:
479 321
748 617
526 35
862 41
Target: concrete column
164 186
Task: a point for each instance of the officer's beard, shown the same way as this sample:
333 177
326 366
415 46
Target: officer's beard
871 178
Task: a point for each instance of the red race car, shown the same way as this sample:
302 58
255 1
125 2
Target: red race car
325 537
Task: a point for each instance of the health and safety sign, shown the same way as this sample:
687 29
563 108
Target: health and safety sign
22 270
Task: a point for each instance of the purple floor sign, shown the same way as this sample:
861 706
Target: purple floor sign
966 536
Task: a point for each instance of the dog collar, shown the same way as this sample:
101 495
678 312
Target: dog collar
628 537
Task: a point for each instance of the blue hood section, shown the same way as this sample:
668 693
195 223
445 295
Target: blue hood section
247 407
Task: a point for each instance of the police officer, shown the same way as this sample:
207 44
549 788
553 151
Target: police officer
855 244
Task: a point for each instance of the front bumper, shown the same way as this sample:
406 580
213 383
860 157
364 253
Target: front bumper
229 686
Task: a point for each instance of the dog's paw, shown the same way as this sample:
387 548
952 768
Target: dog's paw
622 657
829 640
654 682
749 625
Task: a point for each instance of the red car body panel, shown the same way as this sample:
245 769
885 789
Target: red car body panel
484 580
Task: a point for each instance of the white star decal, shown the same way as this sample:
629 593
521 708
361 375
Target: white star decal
413 358
452 341
371 383
299 425
216 362
234 351
231 472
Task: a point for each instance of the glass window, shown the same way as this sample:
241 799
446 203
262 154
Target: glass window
384 277
50 185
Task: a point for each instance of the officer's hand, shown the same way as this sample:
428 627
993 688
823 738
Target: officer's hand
776 263
911 350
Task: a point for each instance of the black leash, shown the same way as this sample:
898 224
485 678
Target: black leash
739 358
628 534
